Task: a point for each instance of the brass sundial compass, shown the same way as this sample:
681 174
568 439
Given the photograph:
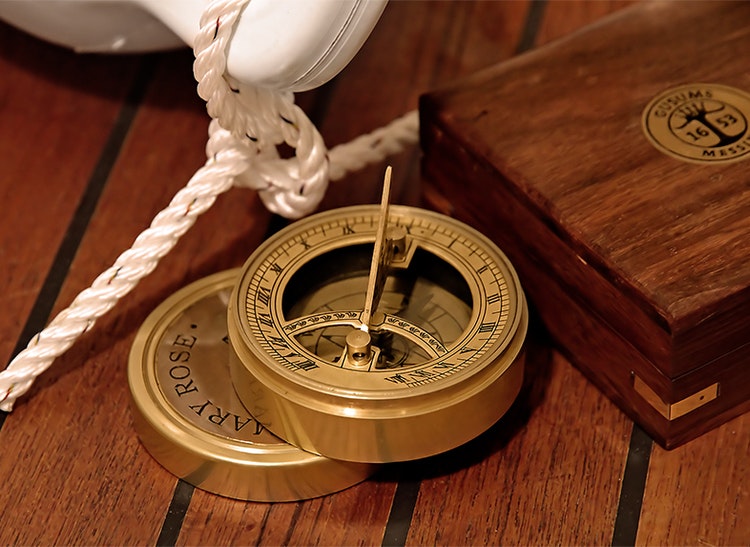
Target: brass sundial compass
367 334
377 334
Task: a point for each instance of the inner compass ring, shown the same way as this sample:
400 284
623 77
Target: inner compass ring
389 324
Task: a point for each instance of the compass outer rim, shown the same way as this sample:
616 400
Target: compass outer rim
244 338
290 407
228 467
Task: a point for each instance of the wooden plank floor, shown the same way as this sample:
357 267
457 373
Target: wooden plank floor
92 147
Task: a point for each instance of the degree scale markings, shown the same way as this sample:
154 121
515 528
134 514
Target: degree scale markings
490 292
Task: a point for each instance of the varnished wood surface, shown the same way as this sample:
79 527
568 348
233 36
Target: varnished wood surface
132 128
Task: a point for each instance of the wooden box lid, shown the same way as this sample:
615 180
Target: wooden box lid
616 162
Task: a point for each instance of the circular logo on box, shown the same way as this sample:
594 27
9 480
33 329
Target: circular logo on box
704 123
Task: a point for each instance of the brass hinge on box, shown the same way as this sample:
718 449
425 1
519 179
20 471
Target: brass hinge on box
672 411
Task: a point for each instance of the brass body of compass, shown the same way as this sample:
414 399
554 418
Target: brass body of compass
437 360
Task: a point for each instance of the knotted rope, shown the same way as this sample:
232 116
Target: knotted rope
247 126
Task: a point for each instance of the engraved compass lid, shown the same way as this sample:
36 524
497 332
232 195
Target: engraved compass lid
189 418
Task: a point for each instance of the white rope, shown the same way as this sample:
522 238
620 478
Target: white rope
374 147
247 126
265 118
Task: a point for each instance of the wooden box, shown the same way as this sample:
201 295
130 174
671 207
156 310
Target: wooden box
613 167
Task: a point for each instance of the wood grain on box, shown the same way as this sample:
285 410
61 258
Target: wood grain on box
555 164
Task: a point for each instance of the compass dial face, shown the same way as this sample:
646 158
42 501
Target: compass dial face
419 302
450 321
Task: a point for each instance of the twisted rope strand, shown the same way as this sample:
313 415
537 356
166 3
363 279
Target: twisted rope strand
374 147
215 177
290 187
246 127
